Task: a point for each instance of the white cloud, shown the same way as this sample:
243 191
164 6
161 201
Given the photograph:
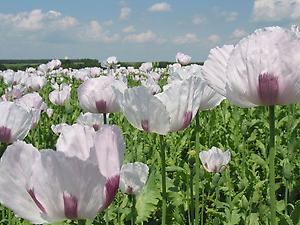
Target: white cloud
125 13
238 33
270 10
53 14
24 20
95 32
37 20
230 16
160 7
148 36
52 25
187 38
108 23
214 39
197 20
66 22
128 29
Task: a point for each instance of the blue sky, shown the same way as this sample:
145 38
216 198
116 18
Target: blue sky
133 30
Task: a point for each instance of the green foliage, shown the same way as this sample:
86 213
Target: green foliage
147 200
2 67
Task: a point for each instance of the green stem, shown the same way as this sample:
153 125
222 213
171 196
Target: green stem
104 118
81 222
286 192
191 183
197 178
132 198
203 202
272 153
163 180
106 217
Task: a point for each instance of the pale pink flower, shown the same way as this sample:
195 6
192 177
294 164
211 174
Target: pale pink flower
104 148
94 120
133 177
214 160
15 122
47 186
183 59
262 69
61 95
96 95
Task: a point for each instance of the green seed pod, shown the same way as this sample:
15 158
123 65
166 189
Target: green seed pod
244 202
287 169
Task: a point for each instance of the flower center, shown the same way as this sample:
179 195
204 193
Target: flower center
70 206
268 88
101 106
145 125
5 135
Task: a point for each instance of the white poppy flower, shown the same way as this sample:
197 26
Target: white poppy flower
94 120
96 95
60 96
104 148
262 69
47 186
133 177
183 59
143 110
151 85
15 122
214 160
214 68
146 67
208 97
35 83
182 101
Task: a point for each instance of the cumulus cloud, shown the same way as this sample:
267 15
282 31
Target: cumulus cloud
95 32
238 33
125 13
270 10
197 20
147 36
108 23
160 7
37 25
53 14
128 29
188 38
214 39
37 20
230 16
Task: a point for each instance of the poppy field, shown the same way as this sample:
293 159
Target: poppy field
187 144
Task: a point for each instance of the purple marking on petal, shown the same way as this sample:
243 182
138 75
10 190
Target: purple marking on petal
129 190
37 202
96 127
268 88
111 188
101 106
145 125
206 166
5 135
215 169
187 118
70 206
